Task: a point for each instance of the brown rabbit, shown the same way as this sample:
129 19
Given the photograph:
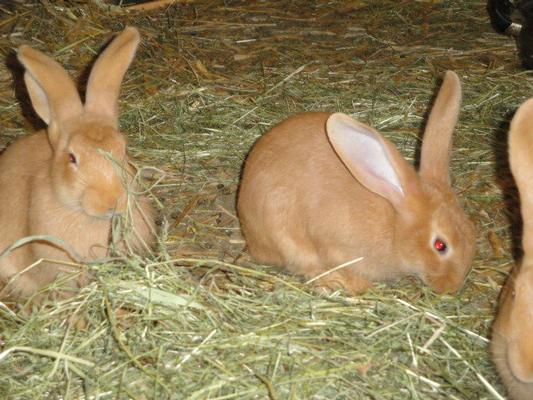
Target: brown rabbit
70 180
311 204
512 341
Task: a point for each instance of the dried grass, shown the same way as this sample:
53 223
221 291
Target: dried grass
198 319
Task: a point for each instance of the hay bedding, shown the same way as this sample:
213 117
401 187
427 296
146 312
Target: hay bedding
198 319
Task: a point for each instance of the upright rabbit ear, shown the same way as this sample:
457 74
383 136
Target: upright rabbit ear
372 159
52 92
106 76
521 160
437 141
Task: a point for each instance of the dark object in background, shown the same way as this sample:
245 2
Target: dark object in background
500 12
525 37
500 15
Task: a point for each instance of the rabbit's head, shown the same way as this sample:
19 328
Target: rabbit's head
89 170
433 237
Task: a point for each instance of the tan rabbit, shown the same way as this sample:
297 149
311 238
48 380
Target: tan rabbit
70 180
311 204
512 331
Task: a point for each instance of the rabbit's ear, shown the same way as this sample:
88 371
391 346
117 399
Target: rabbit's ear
52 92
437 140
521 160
103 87
372 159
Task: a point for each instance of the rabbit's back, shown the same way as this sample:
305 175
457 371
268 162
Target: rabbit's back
23 162
300 207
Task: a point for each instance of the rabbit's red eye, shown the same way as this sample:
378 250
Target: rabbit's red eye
72 158
440 245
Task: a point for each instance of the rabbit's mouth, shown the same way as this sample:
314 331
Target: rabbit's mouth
77 207
107 216
443 283
102 216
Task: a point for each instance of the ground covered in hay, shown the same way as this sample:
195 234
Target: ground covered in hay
198 319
